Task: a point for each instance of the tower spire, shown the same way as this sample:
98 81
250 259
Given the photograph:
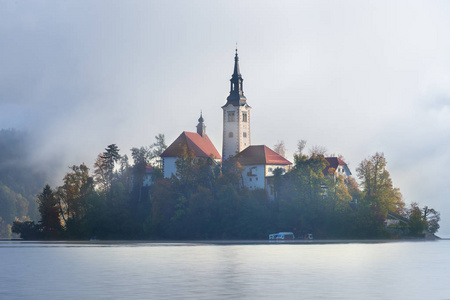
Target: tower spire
236 116
201 127
236 96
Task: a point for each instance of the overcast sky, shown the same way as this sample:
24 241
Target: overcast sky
354 76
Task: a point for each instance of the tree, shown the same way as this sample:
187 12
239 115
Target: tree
140 163
318 150
300 195
104 167
280 148
72 195
377 184
432 217
301 144
417 223
156 149
421 220
49 209
277 181
28 230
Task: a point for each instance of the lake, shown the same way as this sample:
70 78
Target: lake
125 270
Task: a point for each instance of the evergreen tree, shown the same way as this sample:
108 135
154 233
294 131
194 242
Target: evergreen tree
49 209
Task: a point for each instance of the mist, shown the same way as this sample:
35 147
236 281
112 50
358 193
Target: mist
355 77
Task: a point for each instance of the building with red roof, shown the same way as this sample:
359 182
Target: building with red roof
259 163
198 143
339 166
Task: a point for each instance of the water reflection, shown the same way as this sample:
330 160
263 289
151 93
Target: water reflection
404 270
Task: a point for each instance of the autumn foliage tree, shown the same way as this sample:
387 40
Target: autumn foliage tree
377 185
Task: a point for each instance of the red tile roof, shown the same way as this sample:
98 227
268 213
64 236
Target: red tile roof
258 155
334 162
200 146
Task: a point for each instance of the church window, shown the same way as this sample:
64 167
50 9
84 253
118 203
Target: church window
231 116
230 134
244 134
244 116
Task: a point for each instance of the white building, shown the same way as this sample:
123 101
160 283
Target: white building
259 164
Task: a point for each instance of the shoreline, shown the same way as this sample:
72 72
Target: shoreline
217 242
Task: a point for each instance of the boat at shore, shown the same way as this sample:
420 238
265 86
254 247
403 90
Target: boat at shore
282 236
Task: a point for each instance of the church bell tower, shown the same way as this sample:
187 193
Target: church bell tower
236 116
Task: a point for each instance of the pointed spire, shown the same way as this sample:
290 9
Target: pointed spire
236 96
236 72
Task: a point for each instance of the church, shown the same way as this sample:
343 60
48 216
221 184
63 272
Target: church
259 161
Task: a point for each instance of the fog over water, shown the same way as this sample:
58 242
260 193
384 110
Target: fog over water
396 270
354 76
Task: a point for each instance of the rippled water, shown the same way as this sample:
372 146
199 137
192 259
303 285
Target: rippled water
399 270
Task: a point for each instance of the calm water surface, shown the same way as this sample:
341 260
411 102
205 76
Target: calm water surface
398 270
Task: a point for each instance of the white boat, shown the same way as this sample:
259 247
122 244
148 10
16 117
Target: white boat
282 236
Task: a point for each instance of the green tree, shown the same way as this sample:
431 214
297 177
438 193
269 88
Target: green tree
27 230
104 167
156 149
49 209
301 195
432 217
140 162
421 220
417 223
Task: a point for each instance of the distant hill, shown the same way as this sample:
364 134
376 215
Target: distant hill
21 179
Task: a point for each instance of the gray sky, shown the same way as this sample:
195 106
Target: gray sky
354 76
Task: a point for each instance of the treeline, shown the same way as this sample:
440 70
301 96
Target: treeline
20 180
206 201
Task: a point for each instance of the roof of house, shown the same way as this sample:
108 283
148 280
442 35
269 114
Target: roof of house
334 162
258 155
395 216
200 146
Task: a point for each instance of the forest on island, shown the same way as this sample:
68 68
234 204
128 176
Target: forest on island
207 201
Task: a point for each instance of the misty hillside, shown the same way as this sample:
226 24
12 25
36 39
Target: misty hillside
20 179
